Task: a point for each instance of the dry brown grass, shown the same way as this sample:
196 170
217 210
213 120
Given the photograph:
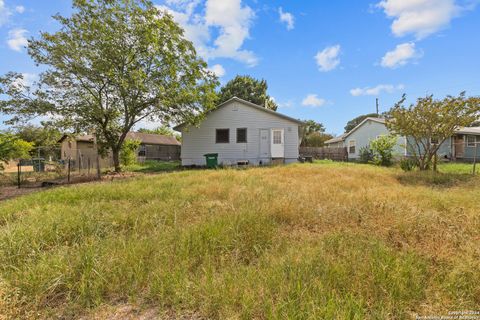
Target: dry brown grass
301 241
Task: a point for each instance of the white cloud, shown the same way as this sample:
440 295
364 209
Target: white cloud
312 100
27 80
20 9
401 55
287 17
218 31
419 17
16 39
218 70
5 13
328 59
375 91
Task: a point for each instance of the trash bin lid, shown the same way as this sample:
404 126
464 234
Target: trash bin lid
210 155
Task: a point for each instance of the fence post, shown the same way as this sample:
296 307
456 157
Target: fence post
19 173
475 158
68 172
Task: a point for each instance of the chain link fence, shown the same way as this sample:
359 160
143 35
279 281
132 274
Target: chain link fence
54 168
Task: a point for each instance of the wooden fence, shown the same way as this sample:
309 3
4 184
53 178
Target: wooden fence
338 154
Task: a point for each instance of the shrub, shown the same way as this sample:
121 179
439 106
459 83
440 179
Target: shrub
128 154
408 164
382 148
365 155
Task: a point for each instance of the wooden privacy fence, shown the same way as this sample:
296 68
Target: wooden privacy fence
338 154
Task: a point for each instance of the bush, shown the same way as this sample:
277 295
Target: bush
382 148
408 164
128 154
365 155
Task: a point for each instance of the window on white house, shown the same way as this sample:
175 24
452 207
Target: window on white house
222 136
351 146
277 137
241 135
433 140
471 141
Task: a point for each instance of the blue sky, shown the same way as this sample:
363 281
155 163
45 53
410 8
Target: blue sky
323 60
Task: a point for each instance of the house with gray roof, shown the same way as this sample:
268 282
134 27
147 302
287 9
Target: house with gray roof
461 146
241 132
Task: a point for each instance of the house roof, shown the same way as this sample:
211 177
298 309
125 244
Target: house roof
469 130
345 135
145 138
336 139
250 104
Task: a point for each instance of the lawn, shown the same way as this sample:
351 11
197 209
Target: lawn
305 241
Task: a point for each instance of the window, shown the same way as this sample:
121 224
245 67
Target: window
222 136
242 135
142 150
433 140
277 137
471 141
351 146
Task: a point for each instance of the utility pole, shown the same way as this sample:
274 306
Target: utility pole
376 103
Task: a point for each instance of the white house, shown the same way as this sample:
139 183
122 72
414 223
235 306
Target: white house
360 136
241 132
461 146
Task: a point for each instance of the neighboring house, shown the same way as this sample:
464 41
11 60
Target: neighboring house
241 132
81 149
461 146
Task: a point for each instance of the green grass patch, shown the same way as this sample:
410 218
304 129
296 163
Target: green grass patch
151 166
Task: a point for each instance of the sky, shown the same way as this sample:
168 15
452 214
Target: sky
323 60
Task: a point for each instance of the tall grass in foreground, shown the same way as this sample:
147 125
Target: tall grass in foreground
303 241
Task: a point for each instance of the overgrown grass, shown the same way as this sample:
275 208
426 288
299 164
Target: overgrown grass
310 241
151 166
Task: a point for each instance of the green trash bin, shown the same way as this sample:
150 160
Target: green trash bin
212 160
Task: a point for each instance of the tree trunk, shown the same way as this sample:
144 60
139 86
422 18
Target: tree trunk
116 160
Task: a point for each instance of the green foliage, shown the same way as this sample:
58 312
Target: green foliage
44 137
11 147
316 139
355 122
249 89
366 155
429 118
111 65
128 153
313 134
382 148
407 164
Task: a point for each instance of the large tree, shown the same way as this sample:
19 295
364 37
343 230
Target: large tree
249 89
356 121
111 65
429 122
313 134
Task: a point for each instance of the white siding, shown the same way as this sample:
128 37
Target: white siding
197 141
367 132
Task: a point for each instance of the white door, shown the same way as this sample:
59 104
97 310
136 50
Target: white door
264 144
278 143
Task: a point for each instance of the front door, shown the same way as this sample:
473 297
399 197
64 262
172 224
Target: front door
278 143
264 144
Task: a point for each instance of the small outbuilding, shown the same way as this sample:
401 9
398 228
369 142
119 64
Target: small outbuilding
241 132
80 149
